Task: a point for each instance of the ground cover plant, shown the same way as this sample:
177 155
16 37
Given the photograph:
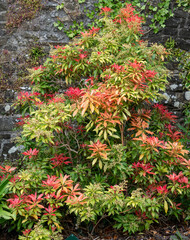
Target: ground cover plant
155 13
96 145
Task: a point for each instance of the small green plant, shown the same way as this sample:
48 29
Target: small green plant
40 233
5 213
184 67
185 4
170 43
182 60
77 27
159 12
36 53
60 6
186 127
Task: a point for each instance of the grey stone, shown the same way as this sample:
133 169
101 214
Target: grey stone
12 150
166 96
179 96
7 147
5 156
171 31
173 86
5 136
3 5
3 16
7 108
3 41
184 33
181 14
6 123
187 95
176 104
172 22
183 44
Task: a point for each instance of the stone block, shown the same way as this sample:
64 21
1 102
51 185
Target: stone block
48 3
9 96
180 14
5 109
5 136
179 96
173 87
6 123
187 95
3 40
184 33
172 22
7 153
7 147
2 32
3 6
9 47
2 15
183 44
187 23
170 31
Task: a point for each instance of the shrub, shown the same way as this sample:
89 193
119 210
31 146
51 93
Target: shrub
103 131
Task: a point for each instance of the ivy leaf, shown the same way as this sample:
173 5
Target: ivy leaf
55 24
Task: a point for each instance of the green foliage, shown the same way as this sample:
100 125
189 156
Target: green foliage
60 6
36 53
181 57
170 43
55 115
99 202
185 4
186 127
124 152
182 60
184 67
129 223
159 11
5 213
81 1
40 233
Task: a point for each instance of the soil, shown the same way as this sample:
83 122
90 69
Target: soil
167 231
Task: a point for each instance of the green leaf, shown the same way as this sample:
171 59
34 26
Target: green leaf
94 161
100 164
3 186
56 24
165 206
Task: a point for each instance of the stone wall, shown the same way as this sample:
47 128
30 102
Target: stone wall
42 29
177 27
42 26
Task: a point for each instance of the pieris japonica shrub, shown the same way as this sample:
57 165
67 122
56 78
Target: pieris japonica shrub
90 116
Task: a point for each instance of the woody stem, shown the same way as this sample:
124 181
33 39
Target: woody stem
122 134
